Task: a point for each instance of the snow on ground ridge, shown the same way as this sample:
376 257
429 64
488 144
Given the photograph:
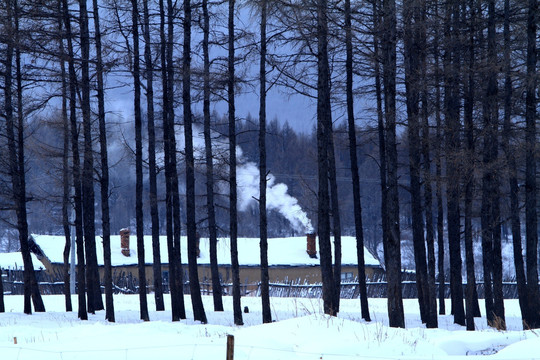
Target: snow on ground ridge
301 331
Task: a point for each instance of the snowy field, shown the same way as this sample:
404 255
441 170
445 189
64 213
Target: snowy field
300 331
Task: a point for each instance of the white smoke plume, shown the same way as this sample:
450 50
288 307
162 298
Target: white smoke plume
277 198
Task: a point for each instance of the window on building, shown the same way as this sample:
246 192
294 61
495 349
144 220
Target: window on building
346 276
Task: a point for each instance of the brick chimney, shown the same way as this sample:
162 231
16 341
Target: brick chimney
311 245
124 241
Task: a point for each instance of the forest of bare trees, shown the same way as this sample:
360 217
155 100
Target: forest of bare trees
123 114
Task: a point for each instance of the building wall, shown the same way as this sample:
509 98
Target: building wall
248 274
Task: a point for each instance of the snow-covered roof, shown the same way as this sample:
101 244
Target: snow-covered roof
281 251
14 261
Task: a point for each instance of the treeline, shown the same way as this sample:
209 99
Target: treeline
438 101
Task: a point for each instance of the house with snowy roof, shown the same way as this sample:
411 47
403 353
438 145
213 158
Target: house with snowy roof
290 259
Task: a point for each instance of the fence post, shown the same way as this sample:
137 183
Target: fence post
230 347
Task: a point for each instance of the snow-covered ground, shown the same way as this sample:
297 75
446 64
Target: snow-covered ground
300 331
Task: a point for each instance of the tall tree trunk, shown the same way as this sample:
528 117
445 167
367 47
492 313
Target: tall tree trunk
77 200
359 230
323 143
92 277
143 302
232 173
175 268
491 233
173 173
412 20
393 247
2 305
469 179
428 192
212 228
263 223
152 173
15 137
336 219
452 113
531 215
512 168
381 133
65 166
192 238
438 169
104 180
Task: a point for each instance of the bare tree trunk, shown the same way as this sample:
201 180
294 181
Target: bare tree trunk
212 228
531 214
196 299
16 157
452 113
2 305
428 192
92 276
173 173
152 193
104 180
232 174
79 232
359 230
412 20
143 302
336 219
438 168
491 233
173 233
393 247
265 290
512 169
323 142
381 134
469 178
65 167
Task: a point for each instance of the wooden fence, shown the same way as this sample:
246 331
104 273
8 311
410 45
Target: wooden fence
127 284
351 290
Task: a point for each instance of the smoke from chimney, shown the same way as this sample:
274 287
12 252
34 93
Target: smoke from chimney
277 197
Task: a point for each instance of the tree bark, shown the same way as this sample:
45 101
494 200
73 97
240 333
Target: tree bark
438 169
2 305
173 173
143 302
469 178
232 172
428 192
152 173
212 228
175 268
77 200
412 20
15 137
65 168
512 169
263 222
452 113
359 230
192 238
104 180
531 214
393 247
92 276
323 143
